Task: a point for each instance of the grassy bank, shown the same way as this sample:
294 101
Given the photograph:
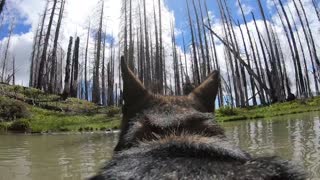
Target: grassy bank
31 110
41 120
278 109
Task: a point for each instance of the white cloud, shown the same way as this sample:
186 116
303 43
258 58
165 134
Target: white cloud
20 49
245 7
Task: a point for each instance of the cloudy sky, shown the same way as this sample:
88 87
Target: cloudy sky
78 12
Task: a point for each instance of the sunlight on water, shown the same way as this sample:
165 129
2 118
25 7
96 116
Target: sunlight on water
38 157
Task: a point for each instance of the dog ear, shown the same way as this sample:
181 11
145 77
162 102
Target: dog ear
133 89
135 97
205 94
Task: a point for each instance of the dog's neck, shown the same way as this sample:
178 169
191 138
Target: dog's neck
190 146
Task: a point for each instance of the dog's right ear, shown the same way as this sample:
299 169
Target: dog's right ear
133 89
205 94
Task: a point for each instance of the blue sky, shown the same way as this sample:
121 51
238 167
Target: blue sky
20 28
178 7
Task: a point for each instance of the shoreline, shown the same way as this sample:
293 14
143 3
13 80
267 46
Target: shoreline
274 110
80 116
113 132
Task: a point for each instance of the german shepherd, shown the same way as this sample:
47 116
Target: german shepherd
177 138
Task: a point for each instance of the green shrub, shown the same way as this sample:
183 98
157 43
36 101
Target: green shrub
112 111
32 93
3 126
227 111
64 129
103 129
12 109
20 126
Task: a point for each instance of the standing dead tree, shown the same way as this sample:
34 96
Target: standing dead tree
43 60
86 89
96 74
54 58
6 52
2 3
66 91
75 68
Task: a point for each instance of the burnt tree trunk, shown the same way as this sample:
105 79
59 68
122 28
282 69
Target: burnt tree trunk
66 91
43 59
74 85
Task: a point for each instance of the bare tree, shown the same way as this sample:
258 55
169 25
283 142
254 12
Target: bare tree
54 59
6 52
86 66
45 48
103 74
75 64
96 85
66 91
196 66
13 70
2 3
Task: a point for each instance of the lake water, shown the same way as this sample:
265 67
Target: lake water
38 157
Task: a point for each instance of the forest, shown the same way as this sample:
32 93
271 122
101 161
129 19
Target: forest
255 66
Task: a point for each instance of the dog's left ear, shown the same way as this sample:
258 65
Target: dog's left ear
133 89
205 94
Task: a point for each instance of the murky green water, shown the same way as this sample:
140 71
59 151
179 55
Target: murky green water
38 157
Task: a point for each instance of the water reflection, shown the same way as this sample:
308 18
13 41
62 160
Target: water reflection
294 137
53 157
28 157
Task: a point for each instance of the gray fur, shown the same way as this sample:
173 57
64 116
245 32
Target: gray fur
178 138
191 160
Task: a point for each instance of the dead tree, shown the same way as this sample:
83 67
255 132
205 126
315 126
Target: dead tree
147 52
161 57
310 43
204 61
13 70
103 74
39 45
75 64
254 100
196 66
66 91
272 57
86 66
295 48
53 74
96 84
45 48
2 3
6 53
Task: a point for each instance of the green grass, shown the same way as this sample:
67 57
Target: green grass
46 121
278 109
80 115
43 120
69 115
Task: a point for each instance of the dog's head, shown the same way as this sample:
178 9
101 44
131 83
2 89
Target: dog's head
149 117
